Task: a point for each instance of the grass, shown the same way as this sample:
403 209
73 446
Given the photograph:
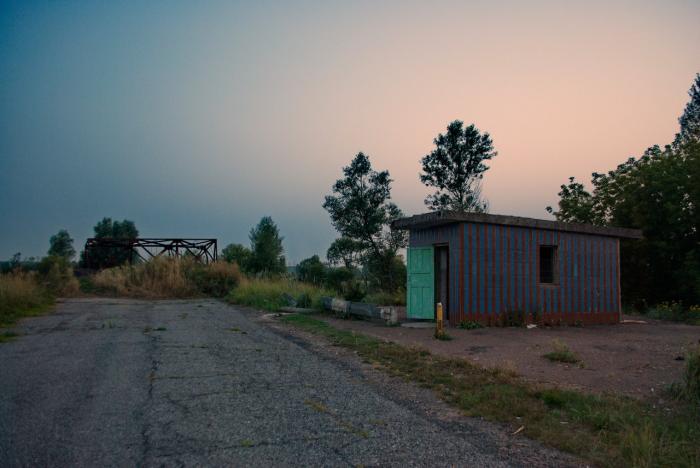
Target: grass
273 294
470 325
561 353
674 311
397 298
605 430
7 336
688 389
443 336
164 277
21 295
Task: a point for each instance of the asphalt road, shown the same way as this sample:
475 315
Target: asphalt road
105 382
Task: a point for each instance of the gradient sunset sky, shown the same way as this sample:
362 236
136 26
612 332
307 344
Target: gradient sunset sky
195 119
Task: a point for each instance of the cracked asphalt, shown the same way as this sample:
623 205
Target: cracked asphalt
104 382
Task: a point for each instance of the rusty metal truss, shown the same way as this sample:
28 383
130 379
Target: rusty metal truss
108 251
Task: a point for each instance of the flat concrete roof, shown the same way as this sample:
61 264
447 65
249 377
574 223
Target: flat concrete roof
441 218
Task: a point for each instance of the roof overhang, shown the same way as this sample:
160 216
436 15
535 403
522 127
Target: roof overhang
441 218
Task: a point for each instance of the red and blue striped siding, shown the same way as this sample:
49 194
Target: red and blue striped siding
494 269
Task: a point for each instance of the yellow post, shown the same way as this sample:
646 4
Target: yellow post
439 326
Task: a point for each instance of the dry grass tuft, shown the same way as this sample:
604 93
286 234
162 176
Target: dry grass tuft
562 353
164 277
20 295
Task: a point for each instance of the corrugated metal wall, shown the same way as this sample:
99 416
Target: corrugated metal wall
495 268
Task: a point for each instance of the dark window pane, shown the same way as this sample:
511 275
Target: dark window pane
547 263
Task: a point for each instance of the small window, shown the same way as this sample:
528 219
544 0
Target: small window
548 264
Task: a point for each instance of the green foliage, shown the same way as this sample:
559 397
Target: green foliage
470 325
575 204
384 298
443 336
55 274
21 295
690 120
215 279
337 278
266 258
361 212
386 272
660 194
691 377
304 300
108 257
61 245
312 270
344 251
456 167
674 311
561 353
16 261
688 389
237 253
272 294
354 291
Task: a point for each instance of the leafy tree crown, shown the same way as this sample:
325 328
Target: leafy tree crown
456 167
61 245
266 246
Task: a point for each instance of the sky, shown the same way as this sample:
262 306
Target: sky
195 119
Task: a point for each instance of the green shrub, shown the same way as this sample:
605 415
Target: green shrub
56 275
304 300
397 298
312 270
336 278
355 291
216 279
675 311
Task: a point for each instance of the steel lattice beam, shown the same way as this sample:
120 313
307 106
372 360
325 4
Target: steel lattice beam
203 250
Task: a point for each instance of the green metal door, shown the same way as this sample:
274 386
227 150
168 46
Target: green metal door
421 283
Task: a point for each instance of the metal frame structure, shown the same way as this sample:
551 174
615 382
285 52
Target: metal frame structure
203 250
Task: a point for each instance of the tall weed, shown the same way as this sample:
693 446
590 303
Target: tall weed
164 277
20 295
273 294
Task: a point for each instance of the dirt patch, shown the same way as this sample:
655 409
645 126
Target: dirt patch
638 360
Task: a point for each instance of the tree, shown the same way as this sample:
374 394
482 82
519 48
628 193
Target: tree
16 261
660 194
456 168
361 211
108 257
575 204
344 251
237 253
312 270
266 246
690 120
61 245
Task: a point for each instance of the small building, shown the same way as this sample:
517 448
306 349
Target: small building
497 269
